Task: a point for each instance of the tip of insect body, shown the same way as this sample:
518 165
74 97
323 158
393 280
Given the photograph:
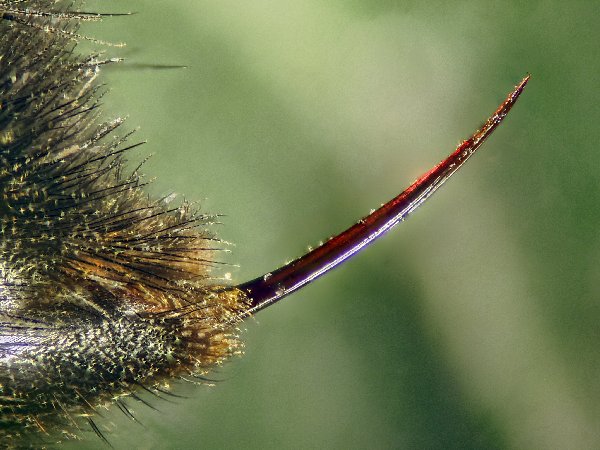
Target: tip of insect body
495 119
514 95
519 87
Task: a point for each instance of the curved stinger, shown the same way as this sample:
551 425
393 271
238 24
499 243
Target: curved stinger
273 286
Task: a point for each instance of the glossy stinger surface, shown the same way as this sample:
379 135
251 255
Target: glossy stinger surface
273 286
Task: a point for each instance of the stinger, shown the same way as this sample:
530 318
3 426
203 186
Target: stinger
273 286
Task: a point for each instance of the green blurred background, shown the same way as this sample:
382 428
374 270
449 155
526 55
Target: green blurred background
475 324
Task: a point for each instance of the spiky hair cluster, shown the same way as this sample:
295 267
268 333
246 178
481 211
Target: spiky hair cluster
102 289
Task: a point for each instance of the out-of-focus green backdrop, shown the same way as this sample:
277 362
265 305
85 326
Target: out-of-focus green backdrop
476 323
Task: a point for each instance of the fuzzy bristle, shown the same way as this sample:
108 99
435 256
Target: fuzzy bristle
101 288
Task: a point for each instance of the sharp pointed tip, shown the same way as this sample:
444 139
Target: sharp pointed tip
511 99
519 88
524 81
